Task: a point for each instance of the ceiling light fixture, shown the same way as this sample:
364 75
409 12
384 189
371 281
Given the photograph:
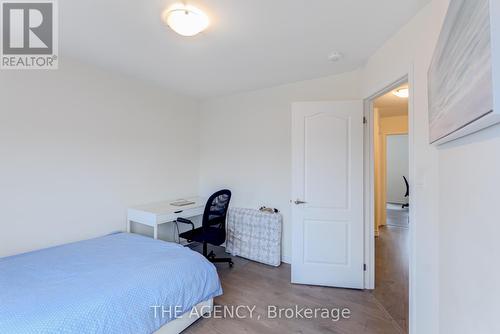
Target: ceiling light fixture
402 93
186 20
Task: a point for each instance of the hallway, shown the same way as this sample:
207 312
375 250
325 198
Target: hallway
391 273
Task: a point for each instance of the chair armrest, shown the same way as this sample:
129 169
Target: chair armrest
185 221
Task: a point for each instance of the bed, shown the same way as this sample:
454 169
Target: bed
120 283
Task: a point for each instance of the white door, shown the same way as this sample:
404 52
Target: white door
327 190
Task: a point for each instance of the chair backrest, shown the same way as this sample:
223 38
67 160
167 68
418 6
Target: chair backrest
216 210
407 187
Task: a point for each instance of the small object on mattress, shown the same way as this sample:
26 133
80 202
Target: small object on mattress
269 210
254 235
103 285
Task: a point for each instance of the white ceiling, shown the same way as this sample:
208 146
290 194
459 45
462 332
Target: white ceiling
250 44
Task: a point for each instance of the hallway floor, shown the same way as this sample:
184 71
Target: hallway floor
391 273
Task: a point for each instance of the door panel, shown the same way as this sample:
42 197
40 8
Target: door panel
326 139
327 169
330 242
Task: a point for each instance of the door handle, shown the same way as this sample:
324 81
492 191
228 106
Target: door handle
298 201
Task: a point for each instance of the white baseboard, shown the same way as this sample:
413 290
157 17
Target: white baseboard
286 259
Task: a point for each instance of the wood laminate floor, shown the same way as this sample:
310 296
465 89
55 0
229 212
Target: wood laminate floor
250 283
391 272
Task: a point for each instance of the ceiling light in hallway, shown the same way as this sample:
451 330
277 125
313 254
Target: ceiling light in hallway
402 93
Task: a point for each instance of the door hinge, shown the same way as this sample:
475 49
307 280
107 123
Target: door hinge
364 267
364 120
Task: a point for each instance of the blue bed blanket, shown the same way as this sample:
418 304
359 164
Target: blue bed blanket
112 284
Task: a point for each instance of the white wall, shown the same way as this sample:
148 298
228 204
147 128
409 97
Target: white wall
78 145
397 167
469 182
246 142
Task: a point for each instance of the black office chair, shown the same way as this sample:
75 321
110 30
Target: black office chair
213 227
407 205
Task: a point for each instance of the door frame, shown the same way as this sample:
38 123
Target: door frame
369 186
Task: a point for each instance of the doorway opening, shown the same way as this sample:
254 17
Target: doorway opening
391 201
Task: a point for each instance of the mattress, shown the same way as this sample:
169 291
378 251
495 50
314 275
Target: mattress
120 283
254 235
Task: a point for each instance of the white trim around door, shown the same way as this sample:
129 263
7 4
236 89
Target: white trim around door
369 189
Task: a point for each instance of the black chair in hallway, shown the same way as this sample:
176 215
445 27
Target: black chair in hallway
213 227
407 194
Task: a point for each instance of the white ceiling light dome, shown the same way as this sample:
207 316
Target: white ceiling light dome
402 93
186 20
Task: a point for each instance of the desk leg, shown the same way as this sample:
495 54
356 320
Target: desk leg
128 225
155 232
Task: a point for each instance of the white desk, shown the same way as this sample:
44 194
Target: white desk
158 213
